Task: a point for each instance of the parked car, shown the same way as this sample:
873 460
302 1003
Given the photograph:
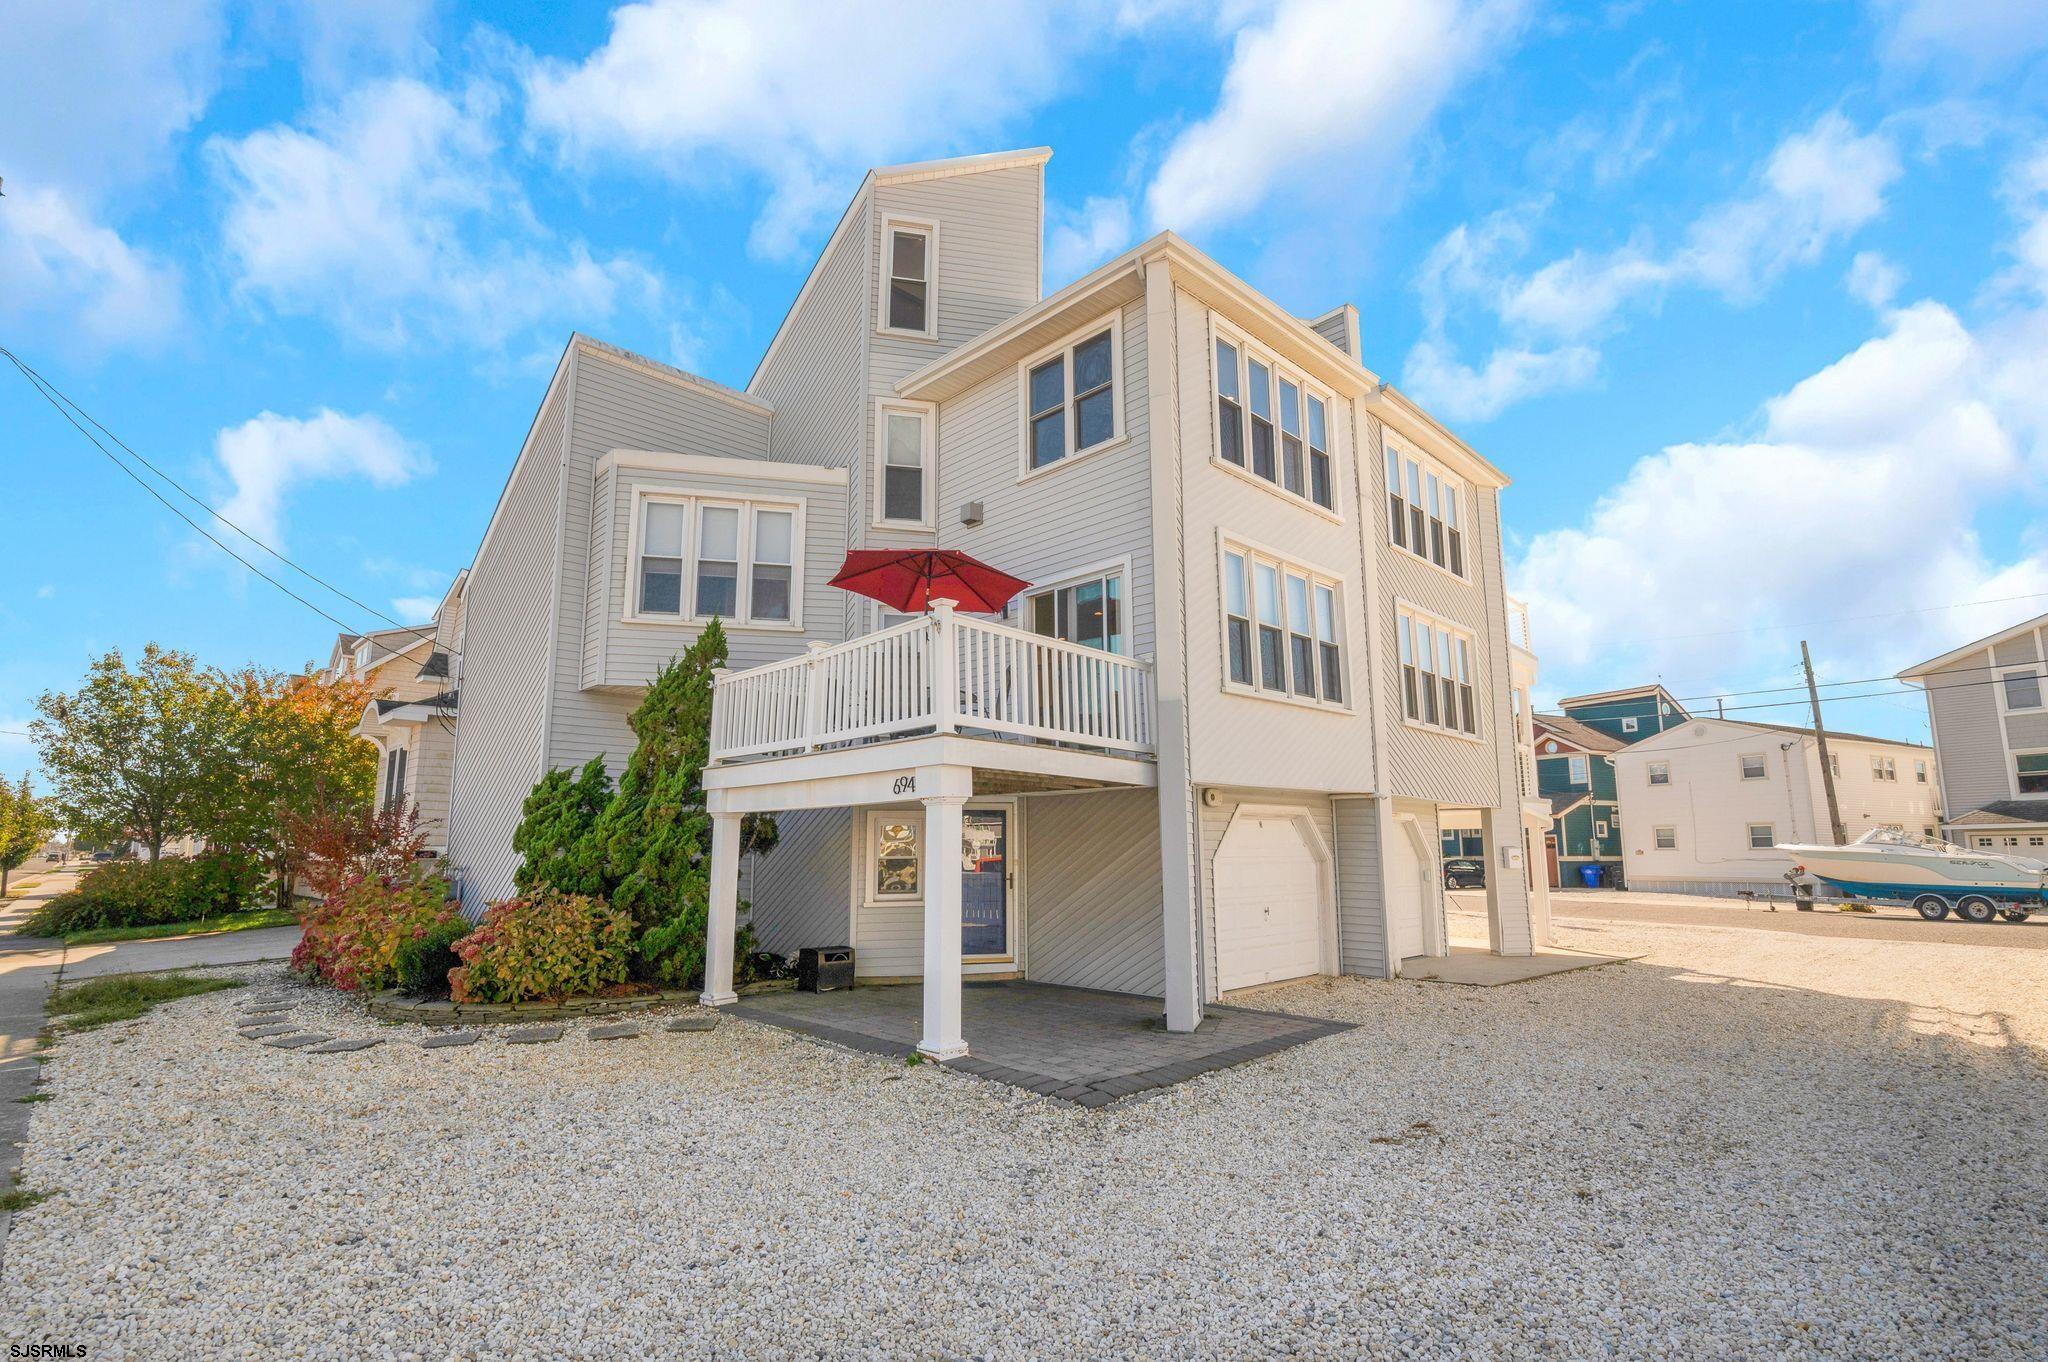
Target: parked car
103 855
1464 872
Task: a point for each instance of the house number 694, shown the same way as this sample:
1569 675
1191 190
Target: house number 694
904 785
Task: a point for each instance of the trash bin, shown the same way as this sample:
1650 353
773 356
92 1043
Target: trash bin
1589 875
820 969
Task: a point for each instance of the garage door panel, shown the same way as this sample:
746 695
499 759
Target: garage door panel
1269 892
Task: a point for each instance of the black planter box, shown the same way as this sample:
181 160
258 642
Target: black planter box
820 969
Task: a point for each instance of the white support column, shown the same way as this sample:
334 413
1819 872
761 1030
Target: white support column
944 664
1509 930
724 915
943 819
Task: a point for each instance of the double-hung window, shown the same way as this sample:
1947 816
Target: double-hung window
1883 768
2022 689
1438 680
1660 773
2031 769
1579 771
1272 423
907 303
1425 509
1920 773
1762 836
1281 628
1753 766
394 779
903 465
1072 402
697 556
1667 839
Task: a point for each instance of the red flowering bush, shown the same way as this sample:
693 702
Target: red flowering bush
545 944
352 939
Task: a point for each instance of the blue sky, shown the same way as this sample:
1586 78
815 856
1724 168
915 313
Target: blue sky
1751 300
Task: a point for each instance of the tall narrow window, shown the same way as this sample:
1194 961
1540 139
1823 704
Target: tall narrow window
904 443
909 280
1454 532
1397 504
1094 397
1272 655
1049 412
1238 618
1447 673
1418 518
1436 520
661 558
1229 406
1467 720
1326 644
774 540
1260 380
718 561
1411 704
1579 770
1319 488
1425 639
1301 643
1292 473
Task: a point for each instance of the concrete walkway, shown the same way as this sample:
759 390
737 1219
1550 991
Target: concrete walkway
1477 967
30 966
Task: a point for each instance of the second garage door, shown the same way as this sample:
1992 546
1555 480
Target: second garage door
1269 896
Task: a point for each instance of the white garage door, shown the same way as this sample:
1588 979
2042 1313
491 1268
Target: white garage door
1268 903
1405 901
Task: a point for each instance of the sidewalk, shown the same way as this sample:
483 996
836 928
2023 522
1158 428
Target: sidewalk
29 966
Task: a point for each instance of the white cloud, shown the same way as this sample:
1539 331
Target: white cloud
56 260
1860 497
1817 186
1873 280
802 96
1974 37
390 216
1323 84
415 609
1079 239
338 39
268 455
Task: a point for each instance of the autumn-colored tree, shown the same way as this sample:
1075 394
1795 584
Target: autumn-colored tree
132 754
25 823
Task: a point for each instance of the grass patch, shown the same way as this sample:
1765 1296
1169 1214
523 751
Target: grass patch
124 997
20 1199
33 1097
231 922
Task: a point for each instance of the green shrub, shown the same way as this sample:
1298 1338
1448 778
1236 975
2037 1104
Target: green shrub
149 893
423 962
352 939
542 945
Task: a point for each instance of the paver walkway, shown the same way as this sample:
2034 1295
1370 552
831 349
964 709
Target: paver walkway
1075 1044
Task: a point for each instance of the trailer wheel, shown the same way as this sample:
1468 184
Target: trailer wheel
2013 914
1933 907
1976 908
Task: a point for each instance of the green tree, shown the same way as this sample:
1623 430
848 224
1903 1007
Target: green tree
132 755
25 824
554 839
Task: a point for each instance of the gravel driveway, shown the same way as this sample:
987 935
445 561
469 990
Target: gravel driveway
1749 1144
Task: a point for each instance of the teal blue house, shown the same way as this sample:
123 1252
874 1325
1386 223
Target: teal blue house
1574 773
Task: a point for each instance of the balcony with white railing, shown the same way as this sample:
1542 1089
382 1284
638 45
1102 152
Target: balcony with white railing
942 673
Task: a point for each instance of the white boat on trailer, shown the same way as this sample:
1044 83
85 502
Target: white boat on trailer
1936 877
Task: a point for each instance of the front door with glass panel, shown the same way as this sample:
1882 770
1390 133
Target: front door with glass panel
985 883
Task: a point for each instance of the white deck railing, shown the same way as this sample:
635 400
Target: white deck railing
940 673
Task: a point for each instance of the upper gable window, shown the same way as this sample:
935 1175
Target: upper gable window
1425 510
907 303
903 464
695 556
1073 404
2022 689
1271 423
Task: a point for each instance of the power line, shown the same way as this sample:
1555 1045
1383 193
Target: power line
1857 681
65 406
1846 619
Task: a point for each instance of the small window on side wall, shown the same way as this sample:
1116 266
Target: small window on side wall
1753 766
1071 401
1762 837
903 466
1660 773
1667 839
909 305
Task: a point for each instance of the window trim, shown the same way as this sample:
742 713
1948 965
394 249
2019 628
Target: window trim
1749 834
693 499
929 230
928 416
1398 447
1222 330
1404 606
870 897
1650 773
1742 771
1574 760
2015 754
1120 434
1657 833
2013 672
1253 552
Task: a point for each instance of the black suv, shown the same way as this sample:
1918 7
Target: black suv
1464 872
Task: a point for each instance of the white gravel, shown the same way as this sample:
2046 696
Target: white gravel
1747 1145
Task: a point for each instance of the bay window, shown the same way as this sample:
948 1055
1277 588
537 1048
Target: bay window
1072 402
1425 510
695 556
1271 423
1438 678
1281 628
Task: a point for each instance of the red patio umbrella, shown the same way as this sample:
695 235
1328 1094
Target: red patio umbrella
910 579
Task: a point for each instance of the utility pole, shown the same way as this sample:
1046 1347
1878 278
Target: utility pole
1820 735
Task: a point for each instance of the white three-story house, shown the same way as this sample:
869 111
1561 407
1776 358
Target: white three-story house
1263 654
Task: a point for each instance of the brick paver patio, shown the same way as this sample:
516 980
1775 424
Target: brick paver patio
1075 1044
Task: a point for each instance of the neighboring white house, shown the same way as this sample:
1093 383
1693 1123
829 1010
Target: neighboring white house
1264 648
1985 705
1704 803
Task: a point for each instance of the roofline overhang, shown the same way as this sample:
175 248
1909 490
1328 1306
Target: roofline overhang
1912 674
